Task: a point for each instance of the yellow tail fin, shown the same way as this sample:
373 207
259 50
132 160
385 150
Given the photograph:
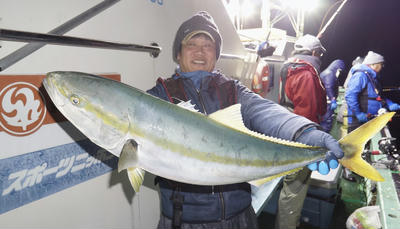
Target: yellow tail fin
353 146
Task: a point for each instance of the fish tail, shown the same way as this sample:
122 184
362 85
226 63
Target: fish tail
353 146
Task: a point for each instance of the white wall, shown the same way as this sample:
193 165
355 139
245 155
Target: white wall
106 201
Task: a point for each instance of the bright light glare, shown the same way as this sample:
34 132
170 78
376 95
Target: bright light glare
306 5
247 9
233 9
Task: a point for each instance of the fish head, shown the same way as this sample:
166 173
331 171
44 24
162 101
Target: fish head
93 105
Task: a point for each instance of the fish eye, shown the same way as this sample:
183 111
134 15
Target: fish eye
75 100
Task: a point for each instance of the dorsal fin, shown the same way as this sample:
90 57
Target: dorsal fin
232 117
188 105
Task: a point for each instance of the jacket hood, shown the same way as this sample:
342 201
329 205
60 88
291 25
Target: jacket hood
335 65
314 61
363 68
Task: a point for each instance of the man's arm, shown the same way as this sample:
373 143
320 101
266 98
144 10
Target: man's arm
330 82
268 117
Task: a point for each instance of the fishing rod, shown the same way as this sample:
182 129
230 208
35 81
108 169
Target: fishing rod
391 89
23 36
321 32
370 116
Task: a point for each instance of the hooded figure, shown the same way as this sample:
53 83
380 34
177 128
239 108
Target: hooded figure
329 78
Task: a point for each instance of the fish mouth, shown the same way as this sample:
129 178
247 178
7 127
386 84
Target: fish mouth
50 84
105 128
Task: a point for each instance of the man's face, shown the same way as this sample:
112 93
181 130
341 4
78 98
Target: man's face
198 53
377 67
317 53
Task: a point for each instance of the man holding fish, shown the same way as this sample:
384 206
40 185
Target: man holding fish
196 49
208 148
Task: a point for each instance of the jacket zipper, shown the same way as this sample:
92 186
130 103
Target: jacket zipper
221 196
201 101
200 97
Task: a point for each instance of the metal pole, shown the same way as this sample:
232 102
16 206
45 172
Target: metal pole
60 30
331 19
300 23
391 89
303 12
232 57
266 15
22 36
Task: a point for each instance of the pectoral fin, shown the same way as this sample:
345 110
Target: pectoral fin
136 177
128 160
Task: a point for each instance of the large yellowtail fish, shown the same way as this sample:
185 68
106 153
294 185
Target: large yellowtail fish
150 134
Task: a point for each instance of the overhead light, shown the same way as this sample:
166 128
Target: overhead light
305 5
247 8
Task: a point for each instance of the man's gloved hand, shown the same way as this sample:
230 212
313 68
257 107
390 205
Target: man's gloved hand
394 107
362 117
333 105
316 137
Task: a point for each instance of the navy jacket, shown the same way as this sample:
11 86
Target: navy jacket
329 79
259 115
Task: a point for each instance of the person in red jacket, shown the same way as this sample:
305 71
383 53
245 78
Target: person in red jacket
305 95
303 87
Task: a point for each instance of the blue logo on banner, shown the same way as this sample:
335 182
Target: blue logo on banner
35 175
160 2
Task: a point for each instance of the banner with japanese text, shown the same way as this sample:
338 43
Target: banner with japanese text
42 153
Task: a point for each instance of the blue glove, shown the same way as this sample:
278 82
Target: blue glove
394 107
362 117
316 137
333 105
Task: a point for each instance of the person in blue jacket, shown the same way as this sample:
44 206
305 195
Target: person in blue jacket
329 78
196 48
363 92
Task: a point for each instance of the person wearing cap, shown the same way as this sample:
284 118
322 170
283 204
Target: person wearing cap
196 49
329 78
363 92
305 95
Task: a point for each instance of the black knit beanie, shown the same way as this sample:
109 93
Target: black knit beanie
201 21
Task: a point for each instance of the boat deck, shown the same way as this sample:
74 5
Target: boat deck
352 194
